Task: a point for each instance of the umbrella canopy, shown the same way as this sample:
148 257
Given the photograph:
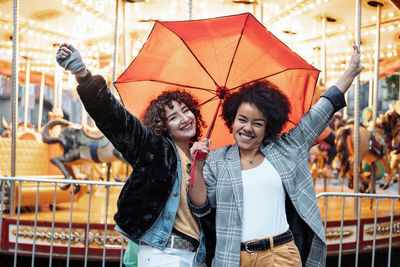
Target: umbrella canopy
204 56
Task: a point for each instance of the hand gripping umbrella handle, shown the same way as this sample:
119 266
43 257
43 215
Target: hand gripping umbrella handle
199 154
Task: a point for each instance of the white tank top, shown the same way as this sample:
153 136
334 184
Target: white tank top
264 213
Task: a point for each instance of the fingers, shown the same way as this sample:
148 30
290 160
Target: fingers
356 48
63 52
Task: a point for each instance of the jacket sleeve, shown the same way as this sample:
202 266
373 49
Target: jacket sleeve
123 129
317 118
210 180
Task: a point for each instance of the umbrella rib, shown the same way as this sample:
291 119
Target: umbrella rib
265 77
234 54
190 50
209 100
174 84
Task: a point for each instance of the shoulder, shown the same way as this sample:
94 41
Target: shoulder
221 152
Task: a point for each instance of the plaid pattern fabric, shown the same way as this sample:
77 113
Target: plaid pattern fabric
289 156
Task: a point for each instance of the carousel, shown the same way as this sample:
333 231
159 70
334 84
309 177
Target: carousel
46 133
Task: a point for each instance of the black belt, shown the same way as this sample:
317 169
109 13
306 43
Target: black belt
265 244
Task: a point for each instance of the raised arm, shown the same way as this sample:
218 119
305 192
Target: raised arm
123 129
355 67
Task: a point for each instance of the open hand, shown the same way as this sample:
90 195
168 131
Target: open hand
69 58
355 65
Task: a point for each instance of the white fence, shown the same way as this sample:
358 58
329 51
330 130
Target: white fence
75 225
386 228
45 233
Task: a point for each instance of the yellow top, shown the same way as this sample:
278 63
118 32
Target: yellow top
184 221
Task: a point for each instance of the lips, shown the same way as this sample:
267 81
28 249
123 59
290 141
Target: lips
245 137
187 127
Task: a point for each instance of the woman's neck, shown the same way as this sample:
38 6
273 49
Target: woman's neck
249 153
184 146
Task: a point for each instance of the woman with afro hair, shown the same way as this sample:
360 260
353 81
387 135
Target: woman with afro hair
266 209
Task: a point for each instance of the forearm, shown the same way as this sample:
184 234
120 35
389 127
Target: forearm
345 81
198 193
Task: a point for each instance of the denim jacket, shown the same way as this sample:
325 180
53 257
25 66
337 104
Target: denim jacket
157 236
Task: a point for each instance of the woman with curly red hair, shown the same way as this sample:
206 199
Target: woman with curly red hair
152 207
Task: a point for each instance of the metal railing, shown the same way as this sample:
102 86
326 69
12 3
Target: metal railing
84 236
71 235
358 197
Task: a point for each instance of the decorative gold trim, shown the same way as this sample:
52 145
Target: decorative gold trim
383 229
335 234
62 236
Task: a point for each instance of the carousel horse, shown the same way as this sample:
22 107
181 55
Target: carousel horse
28 133
372 147
80 145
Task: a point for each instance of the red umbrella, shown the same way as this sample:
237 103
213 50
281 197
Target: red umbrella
210 57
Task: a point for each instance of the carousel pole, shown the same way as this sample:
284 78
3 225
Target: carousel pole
112 90
55 96
115 44
124 33
378 6
371 90
41 94
60 91
14 102
26 96
357 108
190 9
323 51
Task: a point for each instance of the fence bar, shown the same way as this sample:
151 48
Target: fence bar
88 226
35 225
105 225
70 223
358 229
1 208
17 230
326 213
341 235
373 243
121 256
45 180
391 233
52 225
361 195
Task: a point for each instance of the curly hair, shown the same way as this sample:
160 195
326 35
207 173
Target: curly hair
267 98
154 116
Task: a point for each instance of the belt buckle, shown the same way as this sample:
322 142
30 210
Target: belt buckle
247 248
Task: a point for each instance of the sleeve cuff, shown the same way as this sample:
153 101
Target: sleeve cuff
336 97
84 79
200 211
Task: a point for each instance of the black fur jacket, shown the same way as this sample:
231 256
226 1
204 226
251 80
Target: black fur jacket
153 159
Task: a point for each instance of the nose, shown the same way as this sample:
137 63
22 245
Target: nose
185 118
247 127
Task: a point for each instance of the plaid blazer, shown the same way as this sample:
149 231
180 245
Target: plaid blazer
289 155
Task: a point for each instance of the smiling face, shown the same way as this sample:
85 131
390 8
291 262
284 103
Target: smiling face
181 123
248 128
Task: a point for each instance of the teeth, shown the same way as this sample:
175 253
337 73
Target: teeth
187 127
246 137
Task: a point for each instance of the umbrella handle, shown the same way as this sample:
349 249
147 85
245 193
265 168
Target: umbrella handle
198 155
